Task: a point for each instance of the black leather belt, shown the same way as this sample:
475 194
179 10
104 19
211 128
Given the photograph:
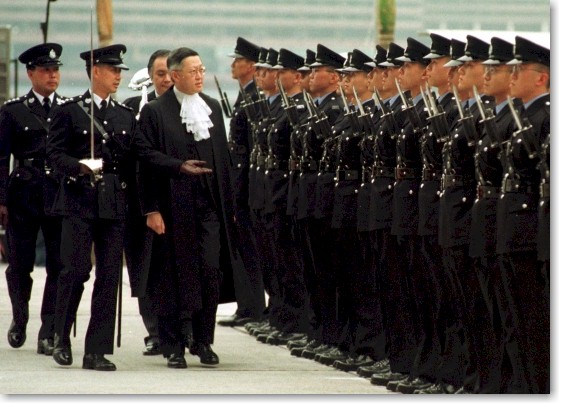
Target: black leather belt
347 175
407 173
237 148
31 162
386 172
275 164
309 165
544 190
510 185
487 192
293 164
430 175
448 181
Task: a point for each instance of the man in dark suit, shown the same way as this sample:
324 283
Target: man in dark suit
26 194
92 201
248 277
525 282
135 221
186 193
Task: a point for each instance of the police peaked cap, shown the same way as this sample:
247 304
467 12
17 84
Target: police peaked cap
327 57
457 50
42 55
440 47
261 57
475 50
110 55
245 49
310 59
267 58
394 51
380 57
357 62
415 52
288 60
528 51
500 52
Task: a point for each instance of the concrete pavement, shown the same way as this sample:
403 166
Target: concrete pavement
246 365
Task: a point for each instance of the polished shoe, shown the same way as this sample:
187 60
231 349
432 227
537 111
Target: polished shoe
330 357
392 385
316 352
175 361
283 338
382 366
262 337
152 348
298 343
62 354
462 390
234 320
411 386
314 343
16 335
438 388
353 363
94 361
206 354
383 379
45 346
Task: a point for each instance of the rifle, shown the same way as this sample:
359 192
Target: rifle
387 114
351 115
438 118
466 120
487 120
367 125
409 108
525 131
289 106
320 124
223 99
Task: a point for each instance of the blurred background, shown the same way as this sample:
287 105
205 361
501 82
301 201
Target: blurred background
212 26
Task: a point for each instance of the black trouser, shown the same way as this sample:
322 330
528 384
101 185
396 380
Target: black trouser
470 308
289 273
490 357
266 257
21 238
406 319
77 237
322 242
429 296
248 277
173 328
310 279
526 330
357 269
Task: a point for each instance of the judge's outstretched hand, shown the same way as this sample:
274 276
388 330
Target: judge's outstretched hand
194 167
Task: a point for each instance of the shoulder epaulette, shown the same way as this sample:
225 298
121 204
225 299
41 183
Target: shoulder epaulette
122 105
62 101
15 100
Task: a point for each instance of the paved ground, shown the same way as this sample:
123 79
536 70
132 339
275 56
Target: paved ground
246 366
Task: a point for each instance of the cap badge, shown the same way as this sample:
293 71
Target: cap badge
52 54
121 54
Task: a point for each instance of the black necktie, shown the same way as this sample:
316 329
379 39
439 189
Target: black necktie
46 105
103 107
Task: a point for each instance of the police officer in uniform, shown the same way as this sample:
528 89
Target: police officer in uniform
248 280
525 283
315 194
288 258
26 195
135 221
92 201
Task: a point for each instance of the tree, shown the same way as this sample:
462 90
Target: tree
385 10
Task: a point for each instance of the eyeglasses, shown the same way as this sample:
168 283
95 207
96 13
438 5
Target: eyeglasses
193 72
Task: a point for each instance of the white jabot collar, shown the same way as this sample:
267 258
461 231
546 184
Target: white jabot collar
195 113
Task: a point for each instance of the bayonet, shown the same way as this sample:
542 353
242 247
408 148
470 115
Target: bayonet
515 115
427 103
458 102
223 99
